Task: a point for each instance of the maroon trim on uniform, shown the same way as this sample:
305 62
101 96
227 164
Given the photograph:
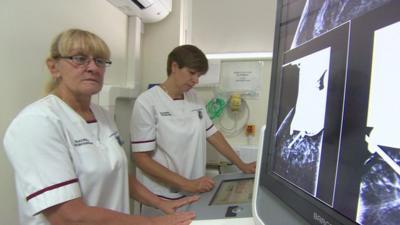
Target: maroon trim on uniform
210 127
141 142
172 198
49 188
92 121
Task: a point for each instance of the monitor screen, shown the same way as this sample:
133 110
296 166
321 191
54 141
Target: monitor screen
230 192
332 147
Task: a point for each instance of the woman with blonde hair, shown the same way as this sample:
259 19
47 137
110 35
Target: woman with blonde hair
69 165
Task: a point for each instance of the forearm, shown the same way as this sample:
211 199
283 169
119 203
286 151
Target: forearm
76 212
141 193
158 171
222 146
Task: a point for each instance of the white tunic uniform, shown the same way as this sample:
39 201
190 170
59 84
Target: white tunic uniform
176 130
57 156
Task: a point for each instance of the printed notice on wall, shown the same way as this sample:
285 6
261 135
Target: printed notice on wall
240 76
211 78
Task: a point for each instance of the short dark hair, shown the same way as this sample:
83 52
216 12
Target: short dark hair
188 56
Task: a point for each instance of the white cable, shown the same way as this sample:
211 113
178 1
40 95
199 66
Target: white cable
235 129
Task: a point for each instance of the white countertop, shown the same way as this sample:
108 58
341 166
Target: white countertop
233 221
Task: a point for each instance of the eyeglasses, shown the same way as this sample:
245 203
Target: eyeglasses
83 60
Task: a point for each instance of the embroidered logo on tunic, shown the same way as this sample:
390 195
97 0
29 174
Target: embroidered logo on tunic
113 134
165 114
83 141
117 137
199 112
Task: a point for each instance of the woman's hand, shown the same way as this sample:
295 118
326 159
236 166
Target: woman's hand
199 185
180 218
170 206
248 167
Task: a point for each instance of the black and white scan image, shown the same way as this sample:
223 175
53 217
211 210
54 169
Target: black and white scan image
336 144
320 16
301 129
379 200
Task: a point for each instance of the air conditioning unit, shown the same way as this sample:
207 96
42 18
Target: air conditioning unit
149 11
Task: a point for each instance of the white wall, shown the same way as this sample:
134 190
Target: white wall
227 26
158 40
216 27
27 28
257 107
233 25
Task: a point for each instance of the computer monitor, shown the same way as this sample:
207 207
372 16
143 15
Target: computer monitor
331 148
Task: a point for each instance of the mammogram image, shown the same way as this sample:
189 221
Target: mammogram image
299 136
297 157
380 191
379 198
320 16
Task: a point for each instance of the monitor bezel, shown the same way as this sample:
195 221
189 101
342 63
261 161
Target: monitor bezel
300 202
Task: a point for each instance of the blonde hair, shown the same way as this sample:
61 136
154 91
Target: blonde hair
85 42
